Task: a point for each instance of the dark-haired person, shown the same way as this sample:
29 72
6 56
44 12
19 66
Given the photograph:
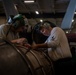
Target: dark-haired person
57 45
27 32
10 31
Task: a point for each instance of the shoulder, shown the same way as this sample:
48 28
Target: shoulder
4 26
57 29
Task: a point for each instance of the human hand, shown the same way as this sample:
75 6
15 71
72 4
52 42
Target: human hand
22 41
28 46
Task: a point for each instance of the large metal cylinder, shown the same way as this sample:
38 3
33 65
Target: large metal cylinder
16 60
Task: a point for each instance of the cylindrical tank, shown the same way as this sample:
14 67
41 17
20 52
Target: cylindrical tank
16 60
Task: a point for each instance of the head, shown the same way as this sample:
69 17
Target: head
46 28
17 22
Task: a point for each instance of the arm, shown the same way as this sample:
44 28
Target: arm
52 42
20 41
55 38
43 45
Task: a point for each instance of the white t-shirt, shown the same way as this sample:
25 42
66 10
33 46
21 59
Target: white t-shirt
58 43
4 29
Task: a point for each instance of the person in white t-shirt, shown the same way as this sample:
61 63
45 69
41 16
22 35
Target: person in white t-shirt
10 31
56 43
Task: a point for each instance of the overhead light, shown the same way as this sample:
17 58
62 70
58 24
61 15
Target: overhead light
73 20
67 32
41 20
36 12
29 1
74 12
